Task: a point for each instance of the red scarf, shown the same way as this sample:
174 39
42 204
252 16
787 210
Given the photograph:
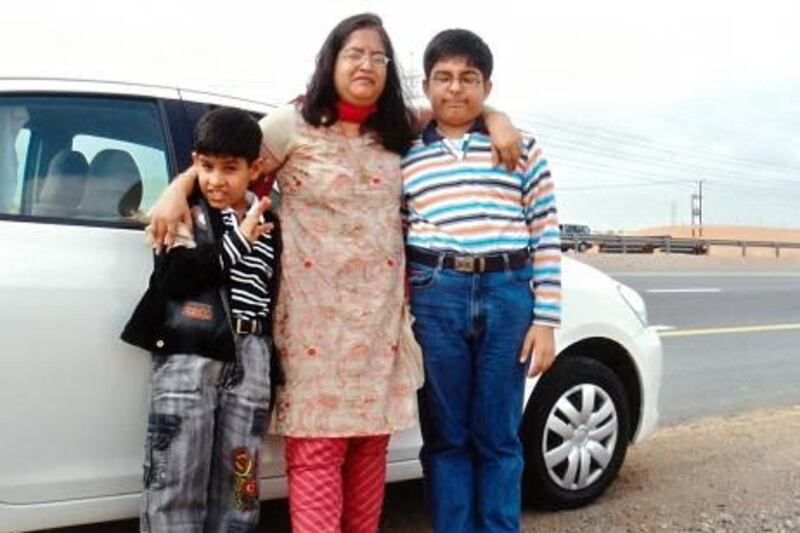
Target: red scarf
263 185
354 113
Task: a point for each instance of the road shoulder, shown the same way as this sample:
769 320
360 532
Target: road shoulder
733 473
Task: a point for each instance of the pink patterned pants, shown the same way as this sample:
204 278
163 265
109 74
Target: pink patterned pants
336 484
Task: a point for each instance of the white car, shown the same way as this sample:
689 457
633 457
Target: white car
77 160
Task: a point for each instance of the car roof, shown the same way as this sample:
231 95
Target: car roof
121 88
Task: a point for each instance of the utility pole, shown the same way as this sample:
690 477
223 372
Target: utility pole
697 209
700 194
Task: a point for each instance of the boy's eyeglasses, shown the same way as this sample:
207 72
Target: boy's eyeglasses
357 57
468 80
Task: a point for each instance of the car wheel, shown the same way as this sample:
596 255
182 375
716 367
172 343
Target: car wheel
583 246
575 433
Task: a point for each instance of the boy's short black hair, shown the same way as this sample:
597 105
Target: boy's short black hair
227 131
459 43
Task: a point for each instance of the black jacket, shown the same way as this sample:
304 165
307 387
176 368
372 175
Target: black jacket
186 273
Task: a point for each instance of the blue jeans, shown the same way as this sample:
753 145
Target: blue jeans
207 420
471 328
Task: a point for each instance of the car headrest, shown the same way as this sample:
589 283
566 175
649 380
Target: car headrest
65 180
114 187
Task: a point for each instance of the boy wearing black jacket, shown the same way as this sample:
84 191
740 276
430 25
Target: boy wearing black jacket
205 317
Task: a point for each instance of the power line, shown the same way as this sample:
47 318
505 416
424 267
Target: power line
616 170
645 158
781 197
658 179
598 131
627 137
617 186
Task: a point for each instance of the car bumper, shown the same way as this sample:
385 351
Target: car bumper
650 356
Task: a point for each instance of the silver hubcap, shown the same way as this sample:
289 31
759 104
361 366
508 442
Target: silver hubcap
579 436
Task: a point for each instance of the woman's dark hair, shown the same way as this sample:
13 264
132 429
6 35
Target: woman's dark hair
228 132
393 122
459 43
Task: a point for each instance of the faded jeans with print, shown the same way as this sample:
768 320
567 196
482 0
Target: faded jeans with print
205 428
471 328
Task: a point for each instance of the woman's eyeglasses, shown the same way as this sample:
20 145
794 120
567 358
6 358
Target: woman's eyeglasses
357 57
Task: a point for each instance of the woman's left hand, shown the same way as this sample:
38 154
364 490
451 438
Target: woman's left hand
506 139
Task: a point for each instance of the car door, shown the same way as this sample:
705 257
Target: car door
76 173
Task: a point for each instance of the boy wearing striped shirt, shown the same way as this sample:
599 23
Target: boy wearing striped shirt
210 394
484 272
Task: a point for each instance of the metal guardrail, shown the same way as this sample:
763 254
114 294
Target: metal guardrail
634 244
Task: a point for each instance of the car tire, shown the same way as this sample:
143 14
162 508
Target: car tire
583 246
572 451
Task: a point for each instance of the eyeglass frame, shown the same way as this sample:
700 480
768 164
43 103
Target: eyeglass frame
470 80
357 57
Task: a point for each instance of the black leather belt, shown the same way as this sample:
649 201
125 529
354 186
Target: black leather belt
469 263
248 326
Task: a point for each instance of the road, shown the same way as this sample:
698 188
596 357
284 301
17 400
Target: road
731 339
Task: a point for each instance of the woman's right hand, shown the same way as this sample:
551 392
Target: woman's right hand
170 209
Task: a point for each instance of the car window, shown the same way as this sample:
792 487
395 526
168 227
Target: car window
574 228
152 162
78 158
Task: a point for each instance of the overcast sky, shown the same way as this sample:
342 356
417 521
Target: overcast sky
634 101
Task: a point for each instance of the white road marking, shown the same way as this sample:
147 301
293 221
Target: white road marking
658 328
721 331
697 290
703 274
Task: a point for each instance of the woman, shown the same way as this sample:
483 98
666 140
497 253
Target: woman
338 316
336 158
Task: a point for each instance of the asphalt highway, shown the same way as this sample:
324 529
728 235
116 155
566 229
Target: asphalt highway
731 339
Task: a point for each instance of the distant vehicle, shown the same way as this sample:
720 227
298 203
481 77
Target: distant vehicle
78 161
575 237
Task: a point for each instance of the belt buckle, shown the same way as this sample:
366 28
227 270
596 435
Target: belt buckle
243 326
464 263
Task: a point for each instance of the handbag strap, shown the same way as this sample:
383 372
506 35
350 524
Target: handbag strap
213 239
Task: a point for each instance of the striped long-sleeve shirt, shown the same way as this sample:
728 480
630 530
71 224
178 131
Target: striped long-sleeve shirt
248 270
456 201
